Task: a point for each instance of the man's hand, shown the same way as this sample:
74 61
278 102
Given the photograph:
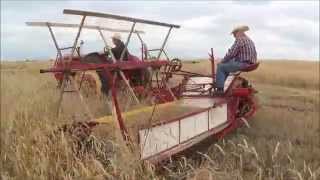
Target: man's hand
218 60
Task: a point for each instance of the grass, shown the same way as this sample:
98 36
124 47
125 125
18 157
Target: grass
297 74
282 142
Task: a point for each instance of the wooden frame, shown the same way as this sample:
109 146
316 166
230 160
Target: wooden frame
117 17
67 25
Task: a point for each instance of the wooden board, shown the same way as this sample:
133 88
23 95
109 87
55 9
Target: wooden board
117 17
65 25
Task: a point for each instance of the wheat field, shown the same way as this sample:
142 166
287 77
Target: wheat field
282 141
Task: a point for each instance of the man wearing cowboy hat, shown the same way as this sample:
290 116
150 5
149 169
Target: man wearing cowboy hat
116 51
119 47
241 54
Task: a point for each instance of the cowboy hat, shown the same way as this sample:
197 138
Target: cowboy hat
241 28
116 36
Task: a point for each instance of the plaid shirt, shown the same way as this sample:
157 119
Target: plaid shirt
242 50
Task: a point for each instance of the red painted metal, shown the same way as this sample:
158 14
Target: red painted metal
162 95
253 106
232 106
241 92
121 124
123 65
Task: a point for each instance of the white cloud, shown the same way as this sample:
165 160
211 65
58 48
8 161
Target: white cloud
198 23
283 29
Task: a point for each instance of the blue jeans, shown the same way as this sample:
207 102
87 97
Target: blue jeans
223 70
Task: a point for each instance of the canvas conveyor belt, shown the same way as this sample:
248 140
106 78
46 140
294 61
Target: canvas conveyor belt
147 116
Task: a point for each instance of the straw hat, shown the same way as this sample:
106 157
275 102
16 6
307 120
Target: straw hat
116 36
241 28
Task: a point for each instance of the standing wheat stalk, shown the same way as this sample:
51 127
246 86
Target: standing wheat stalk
275 152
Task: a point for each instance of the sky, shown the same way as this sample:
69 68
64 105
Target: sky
280 29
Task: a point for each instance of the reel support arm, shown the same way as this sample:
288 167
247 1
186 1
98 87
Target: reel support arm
213 74
54 40
115 106
127 42
164 42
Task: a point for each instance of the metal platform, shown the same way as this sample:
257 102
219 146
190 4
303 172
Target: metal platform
180 132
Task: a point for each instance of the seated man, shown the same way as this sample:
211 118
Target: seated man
119 47
240 55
